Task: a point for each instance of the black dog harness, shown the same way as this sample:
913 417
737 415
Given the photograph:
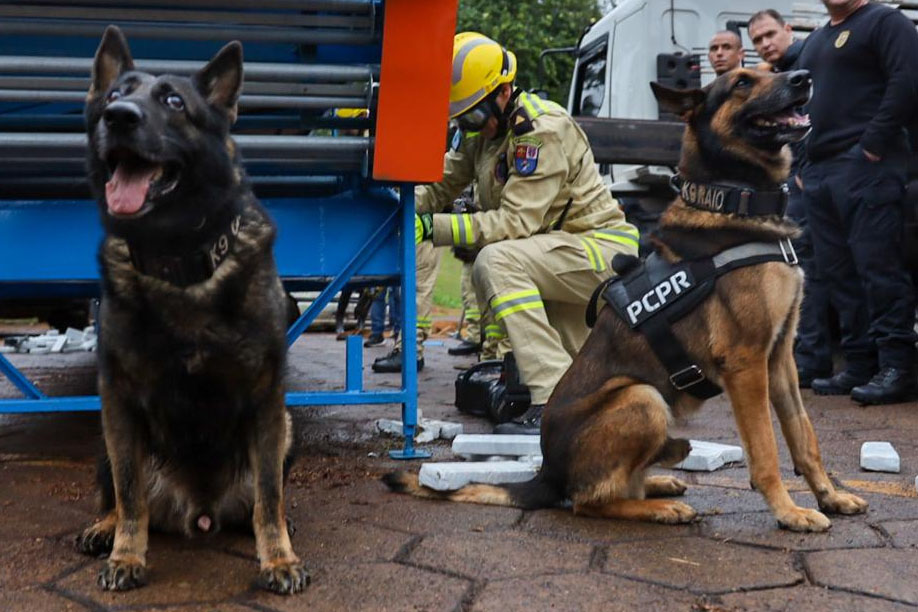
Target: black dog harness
654 294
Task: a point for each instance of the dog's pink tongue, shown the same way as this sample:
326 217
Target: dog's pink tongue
127 191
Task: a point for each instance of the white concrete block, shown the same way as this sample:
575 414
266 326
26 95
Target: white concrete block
423 433
74 336
454 475
448 430
879 457
535 460
708 456
491 444
58 345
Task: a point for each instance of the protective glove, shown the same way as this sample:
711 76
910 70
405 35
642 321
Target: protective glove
423 227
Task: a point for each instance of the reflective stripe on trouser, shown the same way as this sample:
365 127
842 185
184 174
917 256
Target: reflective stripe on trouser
470 305
537 290
428 264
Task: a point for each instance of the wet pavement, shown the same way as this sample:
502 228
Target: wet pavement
368 549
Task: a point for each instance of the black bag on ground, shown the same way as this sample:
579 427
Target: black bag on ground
492 389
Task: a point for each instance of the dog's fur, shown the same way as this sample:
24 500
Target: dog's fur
606 422
190 377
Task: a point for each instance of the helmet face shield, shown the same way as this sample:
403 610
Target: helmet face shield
474 119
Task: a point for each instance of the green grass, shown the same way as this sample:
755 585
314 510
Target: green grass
447 290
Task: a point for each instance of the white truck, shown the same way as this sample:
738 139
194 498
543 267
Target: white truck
639 41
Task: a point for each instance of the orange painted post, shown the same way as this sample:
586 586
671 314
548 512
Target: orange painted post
414 83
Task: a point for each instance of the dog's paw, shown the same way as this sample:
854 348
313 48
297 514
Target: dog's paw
284 577
804 519
95 540
674 513
122 575
841 502
663 486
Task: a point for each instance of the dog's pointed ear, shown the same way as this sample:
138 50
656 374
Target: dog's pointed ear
220 81
682 102
113 58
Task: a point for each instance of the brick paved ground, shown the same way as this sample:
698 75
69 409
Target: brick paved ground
368 549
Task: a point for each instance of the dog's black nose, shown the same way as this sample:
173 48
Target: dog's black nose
123 115
799 78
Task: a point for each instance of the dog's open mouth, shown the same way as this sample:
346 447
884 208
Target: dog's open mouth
790 122
136 182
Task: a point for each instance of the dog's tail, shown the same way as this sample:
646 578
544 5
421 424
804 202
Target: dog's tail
530 495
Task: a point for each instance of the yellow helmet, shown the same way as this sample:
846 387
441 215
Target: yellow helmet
480 66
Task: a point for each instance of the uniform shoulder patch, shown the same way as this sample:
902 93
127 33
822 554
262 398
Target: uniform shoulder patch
526 155
520 122
457 140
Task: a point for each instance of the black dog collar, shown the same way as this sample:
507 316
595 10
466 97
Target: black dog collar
743 201
190 268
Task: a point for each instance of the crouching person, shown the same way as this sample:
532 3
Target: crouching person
548 227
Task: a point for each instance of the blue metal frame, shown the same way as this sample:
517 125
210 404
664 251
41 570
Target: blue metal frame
301 221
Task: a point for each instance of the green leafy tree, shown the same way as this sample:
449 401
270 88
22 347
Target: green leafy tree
527 28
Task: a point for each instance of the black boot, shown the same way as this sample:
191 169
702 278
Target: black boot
889 386
806 376
527 424
466 347
840 384
393 363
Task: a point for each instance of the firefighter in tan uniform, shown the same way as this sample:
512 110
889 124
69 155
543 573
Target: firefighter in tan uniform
548 242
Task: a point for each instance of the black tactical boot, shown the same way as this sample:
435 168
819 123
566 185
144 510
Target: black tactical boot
528 424
889 386
393 363
466 347
840 384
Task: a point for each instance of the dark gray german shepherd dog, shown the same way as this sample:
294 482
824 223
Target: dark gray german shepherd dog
192 345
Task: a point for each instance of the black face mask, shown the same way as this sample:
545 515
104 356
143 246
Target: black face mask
474 119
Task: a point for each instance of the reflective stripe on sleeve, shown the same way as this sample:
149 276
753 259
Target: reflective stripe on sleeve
627 237
594 253
462 229
515 302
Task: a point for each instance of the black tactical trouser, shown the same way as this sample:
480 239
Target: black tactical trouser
855 211
813 347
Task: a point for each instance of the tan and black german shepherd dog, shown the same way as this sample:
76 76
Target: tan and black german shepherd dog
192 346
606 422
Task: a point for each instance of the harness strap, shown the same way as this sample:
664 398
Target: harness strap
742 201
684 374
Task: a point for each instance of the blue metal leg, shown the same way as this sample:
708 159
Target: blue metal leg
354 364
370 247
17 378
409 329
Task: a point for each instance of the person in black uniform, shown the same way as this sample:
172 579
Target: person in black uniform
774 42
863 63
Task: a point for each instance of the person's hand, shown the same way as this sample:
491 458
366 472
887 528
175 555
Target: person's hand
873 157
799 181
423 227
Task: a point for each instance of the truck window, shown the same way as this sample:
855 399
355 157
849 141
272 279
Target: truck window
591 80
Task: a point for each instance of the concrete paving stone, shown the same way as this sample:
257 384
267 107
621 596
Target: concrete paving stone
715 501
505 555
761 528
904 534
804 598
333 542
452 475
37 600
701 565
371 588
180 572
738 478
424 516
879 457
563 524
576 592
493 444
63 493
30 562
708 456
883 572
221 606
